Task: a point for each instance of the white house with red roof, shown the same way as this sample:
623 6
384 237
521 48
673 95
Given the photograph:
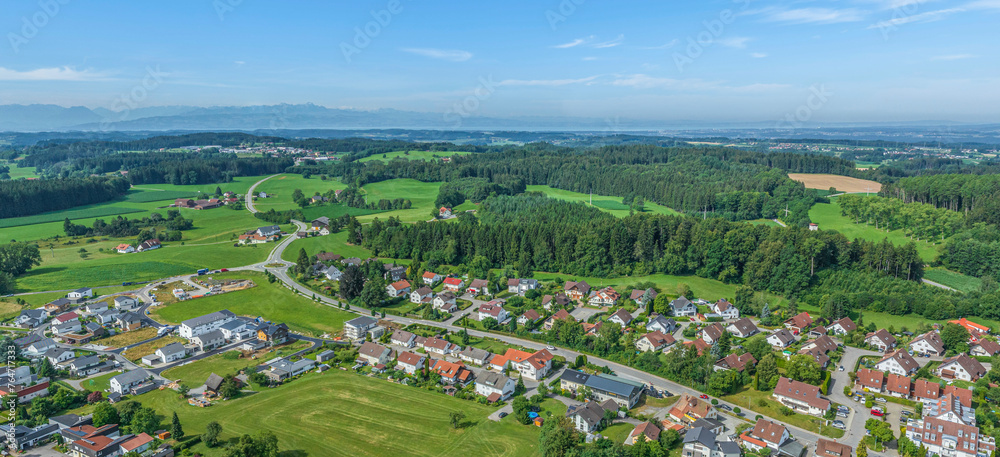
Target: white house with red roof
410 362
430 278
604 297
453 284
125 248
493 310
398 288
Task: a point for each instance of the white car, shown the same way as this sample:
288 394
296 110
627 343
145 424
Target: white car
550 347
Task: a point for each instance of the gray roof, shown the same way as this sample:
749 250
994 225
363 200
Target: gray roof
172 348
56 352
615 386
575 377
60 302
27 340
590 412
475 353
208 318
363 321
233 325
213 335
662 320
710 424
83 290
700 435
131 377
85 361
492 379
123 298
37 314
43 342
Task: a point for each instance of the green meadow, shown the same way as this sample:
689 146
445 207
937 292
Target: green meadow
605 203
412 155
828 216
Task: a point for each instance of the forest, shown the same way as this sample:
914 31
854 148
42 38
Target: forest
170 168
956 192
145 228
918 220
975 252
24 197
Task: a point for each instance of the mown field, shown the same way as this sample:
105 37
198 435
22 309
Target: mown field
413 155
605 203
270 301
195 373
828 216
953 279
343 414
335 243
18 173
841 183
421 194
282 187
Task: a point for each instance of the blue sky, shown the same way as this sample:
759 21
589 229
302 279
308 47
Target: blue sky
872 60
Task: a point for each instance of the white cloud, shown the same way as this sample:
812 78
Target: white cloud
954 57
666 45
52 74
810 15
984 5
453 55
734 42
574 43
239 62
642 81
929 16
545 82
610 44
758 55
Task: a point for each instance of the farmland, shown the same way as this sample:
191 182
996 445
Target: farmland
421 194
841 183
270 301
280 188
605 203
306 413
412 155
953 279
336 243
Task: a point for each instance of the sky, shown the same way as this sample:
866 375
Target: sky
702 60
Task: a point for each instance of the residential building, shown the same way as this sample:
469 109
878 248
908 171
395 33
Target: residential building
403 338
521 286
881 340
410 362
149 245
976 331
87 365
660 323
96 307
604 297
928 343
446 302
701 442
64 318
123 383
683 307
742 328
126 302
725 309
204 324
621 317
576 290
430 278
475 356
492 311
801 397
843 326
586 418
20 375
478 287
736 362
868 380
689 409
453 284
57 306
947 438
643 297
898 386
898 362
281 369
422 295
645 431
30 318
780 339
494 386
530 315
273 334
398 288
559 301
960 367
654 341
451 373
171 352
828 448
374 353
766 434
82 293
712 333
985 348
799 323
236 330
559 315
25 393
125 248
356 328
439 346
209 341
603 387
38 348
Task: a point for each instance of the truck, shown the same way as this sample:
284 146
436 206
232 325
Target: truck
203 271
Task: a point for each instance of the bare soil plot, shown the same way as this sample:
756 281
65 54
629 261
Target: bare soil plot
841 183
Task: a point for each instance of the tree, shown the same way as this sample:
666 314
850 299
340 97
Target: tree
725 344
804 368
211 435
176 431
557 437
17 258
302 265
581 361
684 290
456 418
95 396
145 421
105 414
260 444
373 293
862 451
352 282
767 373
521 407
669 438
953 335
45 368
490 323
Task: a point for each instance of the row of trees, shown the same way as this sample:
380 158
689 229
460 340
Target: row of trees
24 197
121 227
919 220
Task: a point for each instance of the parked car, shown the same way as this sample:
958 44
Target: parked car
726 407
881 399
839 424
841 368
843 413
550 347
703 397
907 413
502 415
878 411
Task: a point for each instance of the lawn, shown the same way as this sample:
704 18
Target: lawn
146 196
336 243
605 203
99 383
749 398
279 190
953 279
827 215
19 172
267 300
138 352
352 411
421 194
127 338
412 155
195 373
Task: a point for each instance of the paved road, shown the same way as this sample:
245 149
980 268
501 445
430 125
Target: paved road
939 285
855 423
250 192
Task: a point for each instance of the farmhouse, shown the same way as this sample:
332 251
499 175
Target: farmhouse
149 245
800 397
125 248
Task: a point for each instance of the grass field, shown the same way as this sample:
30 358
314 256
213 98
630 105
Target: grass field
195 373
18 173
355 413
827 215
605 203
336 243
138 352
767 222
99 383
333 211
146 196
841 183
953 279
750 398
270 301
412 155
91 211
282 187
127 338
421 194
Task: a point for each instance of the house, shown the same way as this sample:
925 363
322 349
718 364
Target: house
492 311
712 333
521 286
422 295
403 338
128 321
898 386
533 366
843 326
823 344
725 309
899 362
924 390
64 318
800 397
69 327
410 362
451 373
394 272
444 211
645 431
559 315
827 448
960 367
204 324
491 383
701 442
96 307
765 434
881 340
446 302
735 362
123 383
662 324
398 288
22 438
269 231
374 353
528 316
87 365
604 297
273 334
478 287
329 272
453 284
320 222
799 323
30 318
171 352
108 317
985 348
430 278
743 328
975 330
125 248
683 307
17 375
586 418
357 328
560 301
138 444
780 339
38 348
149 245
208 341
947 438
126 302
928 343
57 306
869 380
439 346
699 344
97 443
643 297
654 341
281 369
621 317
603 387
576 290
690 408
324 256
325 356
235 330
475 356
58 355
80 294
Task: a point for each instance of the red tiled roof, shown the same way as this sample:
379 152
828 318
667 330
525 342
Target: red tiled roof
452 281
